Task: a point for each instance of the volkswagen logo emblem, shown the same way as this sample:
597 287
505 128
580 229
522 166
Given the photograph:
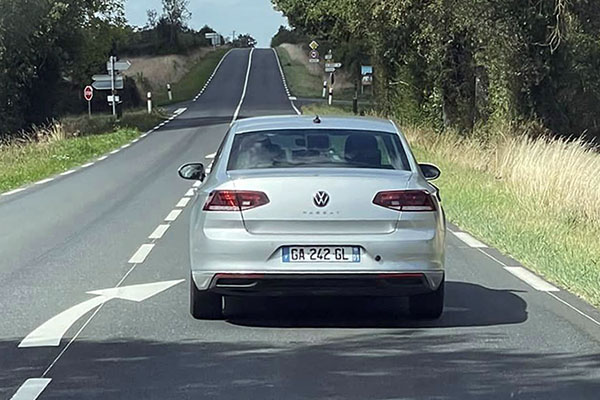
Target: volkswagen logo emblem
321 199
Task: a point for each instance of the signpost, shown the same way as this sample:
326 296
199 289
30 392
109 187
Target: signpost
120 66
88 94
313 56
313 45
107 84
214 38
366 73
113 81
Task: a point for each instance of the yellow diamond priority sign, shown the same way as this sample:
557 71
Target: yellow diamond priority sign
314 45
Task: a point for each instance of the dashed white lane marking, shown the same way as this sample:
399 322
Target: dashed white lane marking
190 193
44 181
469 240
173 215
197 184
159 232
531 279
239 107
69 172
135 140
102 158
115 151
31 389
293 98
87 165
126 145
141 254
13 192
183 202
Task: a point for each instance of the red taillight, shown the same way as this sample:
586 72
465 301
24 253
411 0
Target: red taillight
234 200
405 200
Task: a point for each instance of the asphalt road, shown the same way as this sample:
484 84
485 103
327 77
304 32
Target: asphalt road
499 338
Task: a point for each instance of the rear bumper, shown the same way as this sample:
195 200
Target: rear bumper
326 284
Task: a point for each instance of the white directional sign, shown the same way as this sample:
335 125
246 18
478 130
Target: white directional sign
109 98
51 332
331 69
105 84
122 65
333 65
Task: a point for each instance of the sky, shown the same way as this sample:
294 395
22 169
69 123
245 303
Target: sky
256 17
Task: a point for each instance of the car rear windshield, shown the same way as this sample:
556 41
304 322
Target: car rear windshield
317 149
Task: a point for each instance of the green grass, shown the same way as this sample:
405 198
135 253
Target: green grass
564 251
300 81
65 145
191 84
304 84
560 245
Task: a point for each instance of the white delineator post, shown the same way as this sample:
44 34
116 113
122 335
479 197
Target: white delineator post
113 92
324 89
330 95
170 92
149 102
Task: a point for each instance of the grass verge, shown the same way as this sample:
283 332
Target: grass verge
532 199
299 79
192 82
66 144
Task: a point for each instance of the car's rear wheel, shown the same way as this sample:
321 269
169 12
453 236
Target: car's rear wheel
204 304
429 305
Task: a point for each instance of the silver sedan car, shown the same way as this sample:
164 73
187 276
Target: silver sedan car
297 206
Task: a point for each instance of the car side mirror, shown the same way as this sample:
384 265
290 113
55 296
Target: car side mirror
430 171
192 171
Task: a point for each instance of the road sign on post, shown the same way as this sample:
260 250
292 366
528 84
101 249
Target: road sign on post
313 56
88 94
120 66
313 45
106 84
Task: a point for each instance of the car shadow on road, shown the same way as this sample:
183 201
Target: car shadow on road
407 364
466 304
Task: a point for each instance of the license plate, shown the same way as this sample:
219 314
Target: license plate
321 254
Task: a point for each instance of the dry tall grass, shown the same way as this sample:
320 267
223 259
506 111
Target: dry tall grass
556 174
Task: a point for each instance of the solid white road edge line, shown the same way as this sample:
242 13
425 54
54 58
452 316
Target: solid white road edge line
115 151
173 215
126 145
159 232
87 165
531 279
239 107
69 172
102 158
469 240
285 83
595 321
183 202
141 254
31 389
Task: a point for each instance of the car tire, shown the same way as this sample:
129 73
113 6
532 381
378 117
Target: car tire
427 306
204 304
